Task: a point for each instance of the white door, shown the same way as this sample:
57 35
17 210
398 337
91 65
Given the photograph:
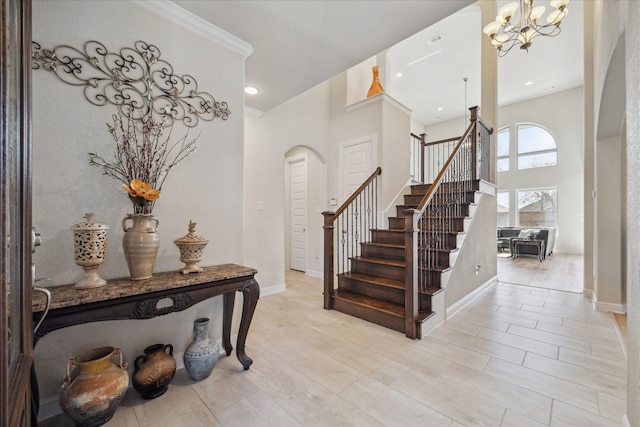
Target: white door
298 213
356 165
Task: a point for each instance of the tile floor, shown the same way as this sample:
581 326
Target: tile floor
516 356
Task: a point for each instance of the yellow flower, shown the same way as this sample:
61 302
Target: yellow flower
142 189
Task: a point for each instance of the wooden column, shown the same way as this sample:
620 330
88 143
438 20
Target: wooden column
411 305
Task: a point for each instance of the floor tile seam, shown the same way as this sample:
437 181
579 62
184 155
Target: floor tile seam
621 339
599 370
560 397
272 401
600 410
577 408
597 363
398 391
547 342
525 338
591 339
450 360
538 287
482 351
594 387
596 372
440 411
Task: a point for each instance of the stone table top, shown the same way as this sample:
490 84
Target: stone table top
68 296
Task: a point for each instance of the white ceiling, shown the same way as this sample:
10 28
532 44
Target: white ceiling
299 44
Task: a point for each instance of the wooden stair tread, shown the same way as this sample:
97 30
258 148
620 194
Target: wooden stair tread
383 261
424 316
393 309
384 245
378 280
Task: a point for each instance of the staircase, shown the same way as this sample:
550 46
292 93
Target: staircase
374 288
396 276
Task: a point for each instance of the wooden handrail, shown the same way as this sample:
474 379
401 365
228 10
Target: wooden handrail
442 141
375 173
427 197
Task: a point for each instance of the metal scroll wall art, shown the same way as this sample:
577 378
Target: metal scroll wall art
135 79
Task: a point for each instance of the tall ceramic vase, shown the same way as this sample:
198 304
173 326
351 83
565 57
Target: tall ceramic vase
202 354
140 244
92 391
376 87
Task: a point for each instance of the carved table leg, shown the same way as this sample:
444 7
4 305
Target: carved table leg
251 293
227 316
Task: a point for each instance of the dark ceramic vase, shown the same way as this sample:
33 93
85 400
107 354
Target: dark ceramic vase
154 370
202 354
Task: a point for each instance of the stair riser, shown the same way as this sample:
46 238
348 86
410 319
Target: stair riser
382 252
386 236
395 296
415 199
450 210
448 225
423 188
369 314
447 240
380 270
440 259
433 279
396 223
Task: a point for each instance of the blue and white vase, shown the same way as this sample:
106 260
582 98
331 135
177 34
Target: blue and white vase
202 354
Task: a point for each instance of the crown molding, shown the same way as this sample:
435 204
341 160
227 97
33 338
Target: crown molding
183 17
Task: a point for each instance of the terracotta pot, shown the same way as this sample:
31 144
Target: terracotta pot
154 370
140 243
94 386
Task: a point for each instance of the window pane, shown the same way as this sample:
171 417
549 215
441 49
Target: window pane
537 208
503 142
533 138
538 160
503 165
503 208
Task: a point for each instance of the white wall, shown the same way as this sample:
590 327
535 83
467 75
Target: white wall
300 122
615 19
561 114
66 127
551 112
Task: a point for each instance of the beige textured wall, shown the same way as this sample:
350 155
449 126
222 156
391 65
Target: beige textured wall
66 127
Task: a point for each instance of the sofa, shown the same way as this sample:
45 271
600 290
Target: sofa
507 234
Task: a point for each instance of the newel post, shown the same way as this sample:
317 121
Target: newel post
474 144
328 275
411 305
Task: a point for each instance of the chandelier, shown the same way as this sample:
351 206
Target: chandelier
505 35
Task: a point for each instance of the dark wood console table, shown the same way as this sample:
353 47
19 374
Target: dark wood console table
138 299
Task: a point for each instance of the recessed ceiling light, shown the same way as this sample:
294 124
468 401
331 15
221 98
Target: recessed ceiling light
529 83
251 90
399 75
440 108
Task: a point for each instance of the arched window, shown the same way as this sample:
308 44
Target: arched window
536 147
503 149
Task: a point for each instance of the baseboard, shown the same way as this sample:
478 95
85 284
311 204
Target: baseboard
316 274
607 306
459 305
588 293
50 406
273 290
